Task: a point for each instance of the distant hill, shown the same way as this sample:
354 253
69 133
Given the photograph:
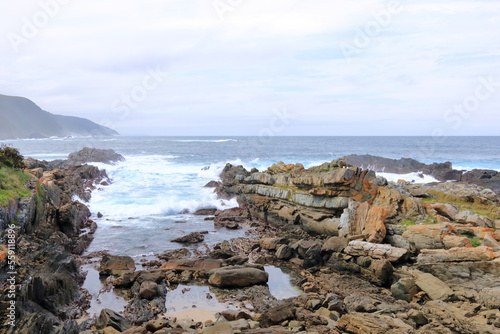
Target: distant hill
21 118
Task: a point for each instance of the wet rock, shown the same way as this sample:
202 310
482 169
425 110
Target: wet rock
116 265
232 315
237 277
373 324
191 238
205 212
109 318
72 217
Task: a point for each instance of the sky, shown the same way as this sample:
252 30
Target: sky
259 67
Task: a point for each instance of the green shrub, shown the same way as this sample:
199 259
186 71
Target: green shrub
10 157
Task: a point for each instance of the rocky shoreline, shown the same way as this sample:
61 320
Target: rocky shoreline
368 256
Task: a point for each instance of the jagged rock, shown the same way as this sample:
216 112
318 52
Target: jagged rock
237 277
191 238
109 318
72 217
116 265
376 251
468 217
490 242
312 257
432 286
373 324
457 254
93 155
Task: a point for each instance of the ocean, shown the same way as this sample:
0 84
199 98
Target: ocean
164 176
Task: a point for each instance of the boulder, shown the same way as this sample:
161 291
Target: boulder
376 251
116 265
237 277
148 290
109 318
93 155
457 254
191 238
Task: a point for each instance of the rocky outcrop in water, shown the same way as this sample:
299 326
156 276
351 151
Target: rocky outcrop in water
441 171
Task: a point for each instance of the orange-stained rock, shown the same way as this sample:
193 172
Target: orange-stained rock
388 199
427 236
364 219
457 254
451 241
374 226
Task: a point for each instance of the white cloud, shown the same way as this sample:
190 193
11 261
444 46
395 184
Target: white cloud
263 55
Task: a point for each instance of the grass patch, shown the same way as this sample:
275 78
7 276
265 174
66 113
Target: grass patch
476 242
12 184
488 210
408 222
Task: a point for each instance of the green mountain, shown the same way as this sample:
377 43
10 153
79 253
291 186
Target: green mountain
21 118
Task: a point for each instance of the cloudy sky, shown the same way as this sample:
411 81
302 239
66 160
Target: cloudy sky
250 67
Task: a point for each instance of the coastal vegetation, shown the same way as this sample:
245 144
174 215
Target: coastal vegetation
12 177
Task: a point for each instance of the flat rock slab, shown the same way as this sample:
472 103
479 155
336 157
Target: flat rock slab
432 286
192 264
114 265
456 254
237 277
373 324
376 251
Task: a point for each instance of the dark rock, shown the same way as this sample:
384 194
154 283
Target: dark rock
87 154
109 318
205 212
191 238
212 184
148 290
284 252
277 315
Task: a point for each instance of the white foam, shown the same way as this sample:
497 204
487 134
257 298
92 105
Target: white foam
410 177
